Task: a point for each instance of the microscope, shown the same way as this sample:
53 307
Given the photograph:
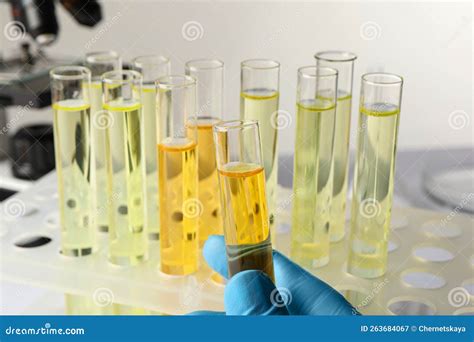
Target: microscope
24 74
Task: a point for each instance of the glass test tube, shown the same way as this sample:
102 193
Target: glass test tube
343 62
99 63
124 158
312 177
380 101
209 74
70 90
151 67
70 87
178 175
243 197
259 97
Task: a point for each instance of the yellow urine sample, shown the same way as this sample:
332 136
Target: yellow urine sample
179 206
340 167
73 166
210 218
246 221
99 167
312 182
261 104
151 168
373 190
128 243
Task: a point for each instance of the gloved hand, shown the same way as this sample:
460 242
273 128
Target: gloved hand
253 293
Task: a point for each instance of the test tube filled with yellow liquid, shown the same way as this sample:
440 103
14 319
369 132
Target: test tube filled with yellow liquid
259 97
312 177
128 242
99 63
70 86
178 175
151 67
70 91
243 196
343 62
380 101
209 75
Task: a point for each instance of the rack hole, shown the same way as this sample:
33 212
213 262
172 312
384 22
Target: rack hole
422 279
441 229
433 253
399 222
392 246
469 286
33 241
410 307
14 209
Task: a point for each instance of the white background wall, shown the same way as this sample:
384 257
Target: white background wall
429 44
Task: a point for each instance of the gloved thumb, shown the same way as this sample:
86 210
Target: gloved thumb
253 293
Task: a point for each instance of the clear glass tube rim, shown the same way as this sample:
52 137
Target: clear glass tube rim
117 77
382 79
95 57
175 82
226 126
260 64
70 73
153 59
204 64
338 56
317 72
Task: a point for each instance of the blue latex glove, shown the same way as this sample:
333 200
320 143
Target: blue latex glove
252 293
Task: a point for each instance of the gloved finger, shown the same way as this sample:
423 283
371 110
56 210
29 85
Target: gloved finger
308 295
215 254
206 313
252 293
